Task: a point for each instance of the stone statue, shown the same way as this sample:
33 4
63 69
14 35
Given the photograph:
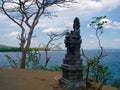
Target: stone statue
76 24
73 40
72 64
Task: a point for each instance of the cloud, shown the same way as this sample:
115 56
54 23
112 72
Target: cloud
88 7
13 25
3 18
40 25
34 43
84 7
110 5
92 36
13 34
112 25
53 29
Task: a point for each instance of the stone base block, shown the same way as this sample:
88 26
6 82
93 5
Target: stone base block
72 85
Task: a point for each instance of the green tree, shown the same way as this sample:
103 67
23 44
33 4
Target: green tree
33 59
94 70
14 63
116 83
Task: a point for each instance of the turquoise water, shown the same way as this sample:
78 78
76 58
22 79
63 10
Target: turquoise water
112 60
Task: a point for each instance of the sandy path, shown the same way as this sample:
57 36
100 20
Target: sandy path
18 79
21 79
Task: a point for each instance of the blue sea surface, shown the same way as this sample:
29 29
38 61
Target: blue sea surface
112 59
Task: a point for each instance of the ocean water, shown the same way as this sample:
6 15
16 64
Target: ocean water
112 60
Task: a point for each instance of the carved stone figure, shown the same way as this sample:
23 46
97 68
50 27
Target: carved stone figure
76 24
72 64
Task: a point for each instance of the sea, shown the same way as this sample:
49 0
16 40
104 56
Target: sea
112 60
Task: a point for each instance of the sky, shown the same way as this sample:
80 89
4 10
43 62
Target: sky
63 20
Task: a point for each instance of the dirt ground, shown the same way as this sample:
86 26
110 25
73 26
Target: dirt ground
24 79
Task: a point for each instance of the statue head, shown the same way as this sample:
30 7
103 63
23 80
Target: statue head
76 24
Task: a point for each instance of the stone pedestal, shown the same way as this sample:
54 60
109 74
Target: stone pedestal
72 67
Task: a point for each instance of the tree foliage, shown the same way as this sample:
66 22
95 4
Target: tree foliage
94 69
33 59
14 63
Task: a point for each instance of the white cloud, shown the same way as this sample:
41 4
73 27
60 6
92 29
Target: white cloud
40 25
112 25
84 7
92 36
3 18
13 25
53 29
13 34
110 5
34 43
88 7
